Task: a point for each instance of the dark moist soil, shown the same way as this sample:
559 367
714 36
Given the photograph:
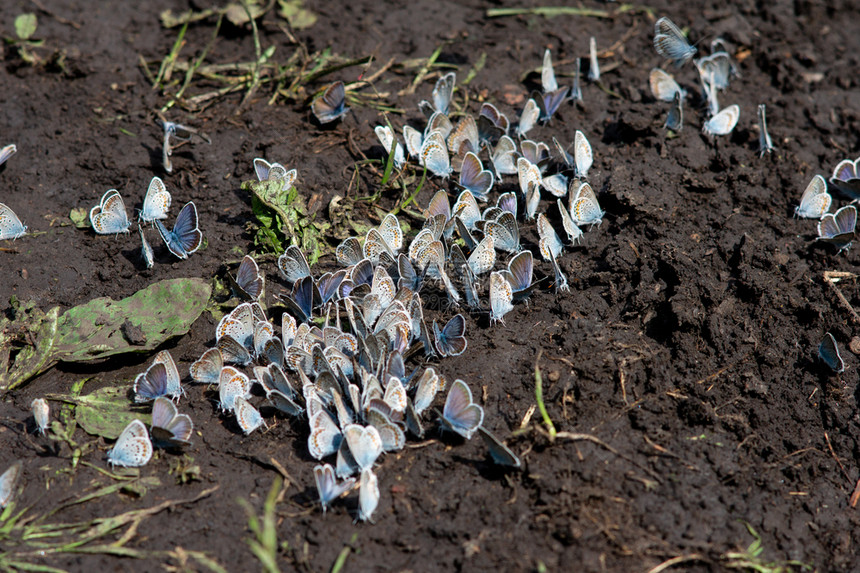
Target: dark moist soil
687 342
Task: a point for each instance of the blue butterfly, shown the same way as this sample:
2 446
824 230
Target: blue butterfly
519 275
434 156
349 252
505 232
302 300
828 351
576 90
442 92
293 264
170 428
248 418
409 277
838 228
846 178
327 485
331 104
146 250
249 282
475 178
185 238
156 203
160 379
765 143
368 495
675 119
492 124
328 285
549 103
671 43
6 153
364 444
449 339
461 414
207 369
502 455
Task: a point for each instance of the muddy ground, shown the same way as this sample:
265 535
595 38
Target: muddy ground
687 343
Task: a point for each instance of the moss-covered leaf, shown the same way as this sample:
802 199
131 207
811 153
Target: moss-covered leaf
31 341
105 412
101 327
26 344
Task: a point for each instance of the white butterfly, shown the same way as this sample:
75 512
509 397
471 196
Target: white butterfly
663 85
593 67
815 201
501 296
547 74
528 118
584 209
582 155
387 139
724 122
156 203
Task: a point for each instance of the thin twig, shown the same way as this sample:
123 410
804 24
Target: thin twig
835 457
595 440
833 277
676 561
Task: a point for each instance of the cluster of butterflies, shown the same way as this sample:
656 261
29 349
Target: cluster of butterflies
835 228
351 383
715 72
443 147
160 384
110 217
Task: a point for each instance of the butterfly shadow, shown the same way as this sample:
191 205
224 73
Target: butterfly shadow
156 157
486 468
139 361
622 131
42 445
135 257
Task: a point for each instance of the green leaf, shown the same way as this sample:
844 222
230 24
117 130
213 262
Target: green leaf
80 218
296 14
284 221
102 327
238 15
105 412
25 26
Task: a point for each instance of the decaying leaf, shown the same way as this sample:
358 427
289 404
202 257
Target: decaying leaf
32 341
